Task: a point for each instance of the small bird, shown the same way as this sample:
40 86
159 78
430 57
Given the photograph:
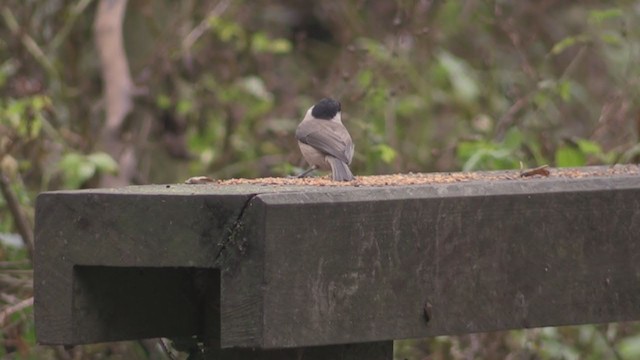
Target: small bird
324 142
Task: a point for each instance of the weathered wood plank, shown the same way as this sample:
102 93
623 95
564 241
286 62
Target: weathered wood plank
125 228
363 265
242 283
312 266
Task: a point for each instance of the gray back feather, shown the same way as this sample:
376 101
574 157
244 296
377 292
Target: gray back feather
329 137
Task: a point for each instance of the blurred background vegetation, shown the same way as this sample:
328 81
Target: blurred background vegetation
217 88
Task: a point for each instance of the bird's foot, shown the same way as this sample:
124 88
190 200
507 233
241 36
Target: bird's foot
307 172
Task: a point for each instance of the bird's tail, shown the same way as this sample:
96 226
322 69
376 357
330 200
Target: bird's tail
339 170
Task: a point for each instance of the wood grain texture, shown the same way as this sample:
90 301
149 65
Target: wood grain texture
242 292
362 265
313 266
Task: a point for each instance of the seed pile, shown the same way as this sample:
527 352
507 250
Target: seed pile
440 178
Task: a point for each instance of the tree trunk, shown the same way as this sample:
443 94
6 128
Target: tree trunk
118 88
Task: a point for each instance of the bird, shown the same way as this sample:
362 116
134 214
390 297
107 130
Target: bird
324 141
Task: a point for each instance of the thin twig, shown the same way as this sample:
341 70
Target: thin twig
28 42
7 311
11 282
573 63
19 218
197 31
13 264
18 271
507 119
75 12
609 342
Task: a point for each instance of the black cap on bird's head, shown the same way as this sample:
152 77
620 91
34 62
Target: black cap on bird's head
326 109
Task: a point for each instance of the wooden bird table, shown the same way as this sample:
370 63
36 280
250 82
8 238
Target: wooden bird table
288 269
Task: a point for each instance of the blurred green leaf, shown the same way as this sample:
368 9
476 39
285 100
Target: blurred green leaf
410 105
280 46
365 78
163 101
599 16
461 76
490 155
568 156
564 90
25 115
629 348
374 48
611 38
567 42
261 43
386 153
589 147
256 87
228 31
78 168
513 139
104 162
184 106
482 155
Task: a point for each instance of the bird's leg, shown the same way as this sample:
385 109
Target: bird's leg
307 172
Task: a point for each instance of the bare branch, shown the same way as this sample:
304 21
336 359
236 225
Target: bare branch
196 32
19 218
28 42
7 311
75 12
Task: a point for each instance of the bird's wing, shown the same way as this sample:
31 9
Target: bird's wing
329 137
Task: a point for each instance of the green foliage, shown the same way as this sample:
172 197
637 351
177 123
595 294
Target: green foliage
261 43
78 168
568 42
232 32
435 86
24 116
228 31
491 155
597 16
579 152
386 153
591 342
629 347
464 85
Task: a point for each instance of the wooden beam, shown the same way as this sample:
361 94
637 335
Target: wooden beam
303 266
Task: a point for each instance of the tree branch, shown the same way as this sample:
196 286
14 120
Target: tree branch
7 311
118 88
19 218
28 42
